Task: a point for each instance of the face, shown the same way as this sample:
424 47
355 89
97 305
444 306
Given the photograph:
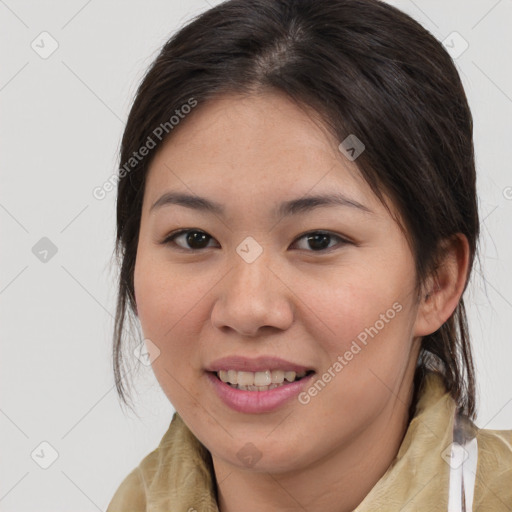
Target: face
272 281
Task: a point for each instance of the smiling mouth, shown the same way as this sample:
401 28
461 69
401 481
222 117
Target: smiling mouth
259 381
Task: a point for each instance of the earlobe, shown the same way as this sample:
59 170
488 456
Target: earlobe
443 290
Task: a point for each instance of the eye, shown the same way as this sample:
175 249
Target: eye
195 239
320 240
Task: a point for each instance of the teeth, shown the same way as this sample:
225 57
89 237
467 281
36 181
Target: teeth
258 381
290 376
262 378
277 376
245 378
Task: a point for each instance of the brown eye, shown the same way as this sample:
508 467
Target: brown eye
317 241
192 239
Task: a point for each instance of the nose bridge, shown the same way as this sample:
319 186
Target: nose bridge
251 259
252 296
251 284
250 267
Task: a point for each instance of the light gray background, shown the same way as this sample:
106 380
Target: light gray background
61 123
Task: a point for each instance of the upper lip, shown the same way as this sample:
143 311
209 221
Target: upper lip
258 364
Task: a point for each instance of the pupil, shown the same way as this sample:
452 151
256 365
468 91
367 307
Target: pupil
318 241
196 238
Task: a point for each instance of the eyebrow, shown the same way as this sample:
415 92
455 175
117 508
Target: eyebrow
287 208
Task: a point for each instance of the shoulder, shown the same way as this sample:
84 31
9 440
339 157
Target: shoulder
179 461
130 495
494 470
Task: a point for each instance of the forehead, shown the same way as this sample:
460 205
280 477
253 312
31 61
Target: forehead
260 147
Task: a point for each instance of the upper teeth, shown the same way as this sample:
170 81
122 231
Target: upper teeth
265 378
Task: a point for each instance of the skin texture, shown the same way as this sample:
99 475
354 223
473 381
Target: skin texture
304 305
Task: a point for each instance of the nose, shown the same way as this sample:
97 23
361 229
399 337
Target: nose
253 298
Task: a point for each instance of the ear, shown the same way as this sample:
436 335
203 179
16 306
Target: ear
442 291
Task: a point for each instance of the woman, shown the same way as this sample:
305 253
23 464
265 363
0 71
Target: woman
297 223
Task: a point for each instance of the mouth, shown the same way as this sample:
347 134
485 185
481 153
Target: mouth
257 385
260 381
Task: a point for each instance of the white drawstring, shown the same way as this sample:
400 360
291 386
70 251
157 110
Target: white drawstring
463 464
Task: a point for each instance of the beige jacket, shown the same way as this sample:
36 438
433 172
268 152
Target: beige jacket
426 474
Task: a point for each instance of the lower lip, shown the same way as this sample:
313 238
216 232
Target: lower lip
257 401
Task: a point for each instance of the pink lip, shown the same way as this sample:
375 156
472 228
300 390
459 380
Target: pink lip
258 364
254 402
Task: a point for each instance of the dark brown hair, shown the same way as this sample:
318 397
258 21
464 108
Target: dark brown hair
368 69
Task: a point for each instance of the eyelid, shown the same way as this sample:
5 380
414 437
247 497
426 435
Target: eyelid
169 238
342 239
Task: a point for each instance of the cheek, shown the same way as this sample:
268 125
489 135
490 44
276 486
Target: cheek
173 308
365 336
353 303
166 297
169 310
369 316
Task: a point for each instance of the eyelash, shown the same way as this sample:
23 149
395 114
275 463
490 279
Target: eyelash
172 236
